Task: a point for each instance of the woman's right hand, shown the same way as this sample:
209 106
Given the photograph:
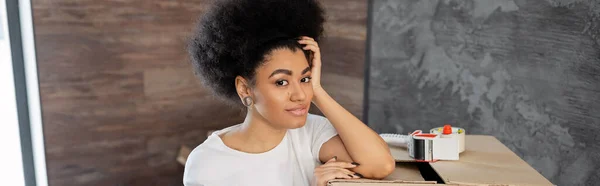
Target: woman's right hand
334 169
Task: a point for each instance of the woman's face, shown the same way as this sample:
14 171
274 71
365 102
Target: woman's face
283 91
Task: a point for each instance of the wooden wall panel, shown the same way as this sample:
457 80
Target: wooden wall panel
118 96
344 52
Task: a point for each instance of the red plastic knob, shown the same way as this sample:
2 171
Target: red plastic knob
447 129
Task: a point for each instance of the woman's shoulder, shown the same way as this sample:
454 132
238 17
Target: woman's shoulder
206 159
208 148
211 148
203 153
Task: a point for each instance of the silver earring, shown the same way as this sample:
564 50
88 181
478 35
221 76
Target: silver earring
248 101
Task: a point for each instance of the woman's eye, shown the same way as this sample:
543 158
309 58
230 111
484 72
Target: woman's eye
306 79
281 83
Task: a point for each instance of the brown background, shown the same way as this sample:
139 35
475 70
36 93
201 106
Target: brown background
119 98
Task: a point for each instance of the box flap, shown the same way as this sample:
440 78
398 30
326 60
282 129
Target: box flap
487 161
407 172
400 154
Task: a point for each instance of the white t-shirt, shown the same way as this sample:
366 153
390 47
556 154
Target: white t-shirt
292 162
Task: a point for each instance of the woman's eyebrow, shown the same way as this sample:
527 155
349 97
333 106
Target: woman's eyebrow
281 71
305 70
288 72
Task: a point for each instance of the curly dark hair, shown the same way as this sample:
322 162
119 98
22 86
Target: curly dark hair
234 37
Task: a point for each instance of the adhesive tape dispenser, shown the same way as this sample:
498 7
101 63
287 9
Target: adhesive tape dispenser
454 132
442 143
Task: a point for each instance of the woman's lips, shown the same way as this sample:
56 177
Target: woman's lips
298 111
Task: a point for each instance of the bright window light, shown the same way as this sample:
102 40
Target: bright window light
10 142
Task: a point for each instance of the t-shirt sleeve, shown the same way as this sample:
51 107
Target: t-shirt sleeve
322 131
202 167
192 175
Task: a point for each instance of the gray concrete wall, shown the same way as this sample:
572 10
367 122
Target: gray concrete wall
525 71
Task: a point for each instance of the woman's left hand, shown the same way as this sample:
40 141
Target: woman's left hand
313 46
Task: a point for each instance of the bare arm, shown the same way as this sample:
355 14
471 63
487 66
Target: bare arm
356 142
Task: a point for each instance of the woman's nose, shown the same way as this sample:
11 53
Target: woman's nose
298 93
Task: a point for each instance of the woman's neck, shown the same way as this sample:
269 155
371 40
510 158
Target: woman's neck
255 135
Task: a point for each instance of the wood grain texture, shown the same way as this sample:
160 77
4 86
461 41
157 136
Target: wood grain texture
119 97
343 52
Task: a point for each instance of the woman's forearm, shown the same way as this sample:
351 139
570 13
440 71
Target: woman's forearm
362 143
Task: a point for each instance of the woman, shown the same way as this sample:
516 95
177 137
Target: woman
263 55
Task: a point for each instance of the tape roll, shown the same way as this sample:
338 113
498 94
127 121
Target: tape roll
418 149
457 132
421 148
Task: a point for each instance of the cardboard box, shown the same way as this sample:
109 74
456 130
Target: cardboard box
184 152
406 173
485 162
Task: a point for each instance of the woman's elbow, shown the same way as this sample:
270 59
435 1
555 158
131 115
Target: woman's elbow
382 169
386 169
